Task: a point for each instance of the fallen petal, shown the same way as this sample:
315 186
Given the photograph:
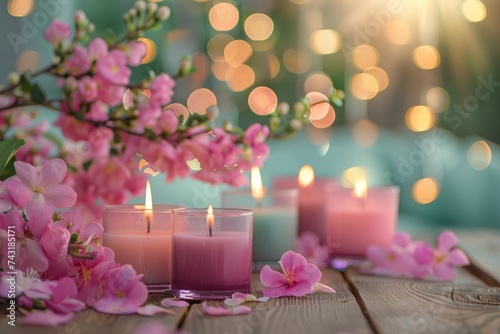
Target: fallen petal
150 309
241 310
168 302
263 299
214 310
46 318
323 287
240 295
234 301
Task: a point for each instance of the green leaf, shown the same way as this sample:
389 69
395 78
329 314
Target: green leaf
8 149
25 81
37 95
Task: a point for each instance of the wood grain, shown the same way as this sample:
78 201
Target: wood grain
90 321
316 313
401 305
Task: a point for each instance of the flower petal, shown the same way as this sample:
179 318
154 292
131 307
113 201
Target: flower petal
423 253
150 309
26 173
46 318
271 278
33 256
53 172
60 196
233 302
323 287
241 310
458 258
240 295
446 241
292 260
214 310
263 299
275 292
299 289
309 273
168 302
444 272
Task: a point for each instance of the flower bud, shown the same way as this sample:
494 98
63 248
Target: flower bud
228 126
283 108
185 65
91 28
163 13
13 78
274 123
247 154
152 6
140 5
212 112
132 12
299 107
70 84
80 17
295 124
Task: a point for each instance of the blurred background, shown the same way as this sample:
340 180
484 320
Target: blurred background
422 83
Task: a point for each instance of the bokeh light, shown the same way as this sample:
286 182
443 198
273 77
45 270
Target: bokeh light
259 27
220 70
296 61
438 99
352 175
473 10
398 32
325 121
240 78
364 86
274 65
178 109
262 100
200 62
420 118
365 56
150 50
380 75
426 57
27 61
425 190
199 100
237 52
479 155
223 16
318 82
216 46
20 8
318 105
194 164
365 133
326 41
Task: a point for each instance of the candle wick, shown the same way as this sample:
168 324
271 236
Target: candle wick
210 230
149 223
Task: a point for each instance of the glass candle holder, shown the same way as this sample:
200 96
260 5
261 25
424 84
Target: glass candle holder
143 239
212 253
275 221
355 223
311 202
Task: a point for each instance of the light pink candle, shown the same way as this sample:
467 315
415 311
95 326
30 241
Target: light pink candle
356 222
311 203
212 253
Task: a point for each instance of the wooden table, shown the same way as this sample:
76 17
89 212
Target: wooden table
362 304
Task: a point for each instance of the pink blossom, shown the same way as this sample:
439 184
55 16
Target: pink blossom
309 246
123 291
149 113
113 68
79 62
298 277
162 89
54 242
255 137
43 182
46 318
71 220
57 32
109 93
63 298
97 48
169 302
98 112
28 284
134 51
167 122
87 89
13 193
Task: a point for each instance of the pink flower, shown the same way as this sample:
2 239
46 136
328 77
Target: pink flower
43 182
98 112
28 284
63 297
162 90
98 48
167 122
113 68
108 93
255 137
134 51
309 246
79 62
57 32
13 193
123 291
298 277
54 242
87 89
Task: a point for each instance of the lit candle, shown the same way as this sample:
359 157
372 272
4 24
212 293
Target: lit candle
275 217
216 264
360 217
312 198
142 237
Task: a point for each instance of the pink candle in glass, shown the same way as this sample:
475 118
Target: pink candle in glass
312 195
212 253
360 217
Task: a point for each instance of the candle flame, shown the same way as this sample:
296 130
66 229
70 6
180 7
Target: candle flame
360 188
210 219
256 183
148 206
306 176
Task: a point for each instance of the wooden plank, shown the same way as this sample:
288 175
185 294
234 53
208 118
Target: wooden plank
399 305
316 313
483 248
90 321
